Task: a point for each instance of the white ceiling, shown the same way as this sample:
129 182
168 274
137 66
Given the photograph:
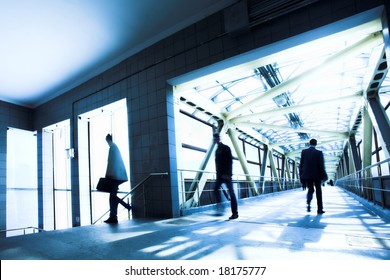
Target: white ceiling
49 47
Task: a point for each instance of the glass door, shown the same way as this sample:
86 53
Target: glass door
93 153
57 206
22 184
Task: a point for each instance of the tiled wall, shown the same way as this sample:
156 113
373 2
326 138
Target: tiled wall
142 80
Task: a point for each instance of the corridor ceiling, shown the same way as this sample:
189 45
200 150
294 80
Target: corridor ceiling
49 47
282 95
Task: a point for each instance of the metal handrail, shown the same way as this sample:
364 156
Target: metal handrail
284 183
352 175
133 189
376 164
233 175
362 183
23 228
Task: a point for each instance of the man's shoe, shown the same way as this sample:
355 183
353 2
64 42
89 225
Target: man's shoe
111 220
308 208
320 212
234 216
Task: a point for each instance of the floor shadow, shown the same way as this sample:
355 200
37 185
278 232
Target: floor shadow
296 234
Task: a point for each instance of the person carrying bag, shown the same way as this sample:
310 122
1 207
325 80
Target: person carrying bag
115 175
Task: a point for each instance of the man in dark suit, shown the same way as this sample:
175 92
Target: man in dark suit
116 171
312 171
224 166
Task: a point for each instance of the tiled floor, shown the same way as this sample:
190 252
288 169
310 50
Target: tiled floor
272 227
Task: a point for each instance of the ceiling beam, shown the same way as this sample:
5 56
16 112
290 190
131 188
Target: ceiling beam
346 54
297 153
297 108
320 141
201 103
288 128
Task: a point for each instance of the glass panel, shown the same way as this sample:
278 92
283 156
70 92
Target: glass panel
22 194
193 132
56 181
252 153
385 168
63 213
100 126
193 161
254 170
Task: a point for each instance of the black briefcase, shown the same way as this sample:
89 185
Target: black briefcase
106 185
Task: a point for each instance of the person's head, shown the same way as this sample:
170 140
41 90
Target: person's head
313 142
109 138
216 138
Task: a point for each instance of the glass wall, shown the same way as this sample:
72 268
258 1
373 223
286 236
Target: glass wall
22 192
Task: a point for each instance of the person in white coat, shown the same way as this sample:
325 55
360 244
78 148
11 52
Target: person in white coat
116 171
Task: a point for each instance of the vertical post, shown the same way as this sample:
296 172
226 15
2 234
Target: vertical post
367 153
287 166
381 122
273 167
347 168
351 160
297 175
242 159
354 151
263 167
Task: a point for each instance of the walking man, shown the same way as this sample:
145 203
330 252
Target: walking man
224 166
116 171
312 172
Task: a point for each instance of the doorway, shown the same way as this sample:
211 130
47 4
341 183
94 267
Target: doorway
93 127
57 208
22 182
